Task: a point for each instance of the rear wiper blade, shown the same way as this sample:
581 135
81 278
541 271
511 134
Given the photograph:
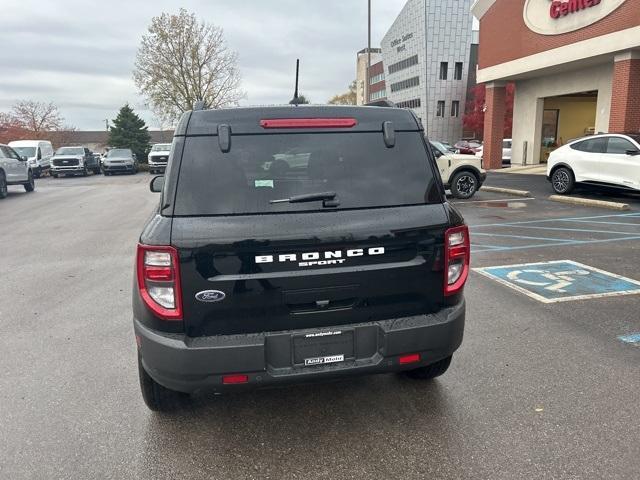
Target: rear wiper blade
309 197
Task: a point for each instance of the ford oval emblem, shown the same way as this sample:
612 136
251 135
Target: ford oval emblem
210 296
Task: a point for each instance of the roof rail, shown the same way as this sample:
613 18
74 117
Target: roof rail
381 103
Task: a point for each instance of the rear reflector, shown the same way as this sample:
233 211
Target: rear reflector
407 359
235 379
309 123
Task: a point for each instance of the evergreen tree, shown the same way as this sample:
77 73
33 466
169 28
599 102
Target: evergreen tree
130 131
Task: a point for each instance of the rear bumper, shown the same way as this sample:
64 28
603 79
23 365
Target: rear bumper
192 364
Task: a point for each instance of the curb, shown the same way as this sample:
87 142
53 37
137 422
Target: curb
587 202
507 191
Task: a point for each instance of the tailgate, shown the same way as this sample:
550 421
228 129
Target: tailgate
262 273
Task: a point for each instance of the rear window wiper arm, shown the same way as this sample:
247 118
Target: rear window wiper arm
309 197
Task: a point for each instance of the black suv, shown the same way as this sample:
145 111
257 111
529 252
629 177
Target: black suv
297 243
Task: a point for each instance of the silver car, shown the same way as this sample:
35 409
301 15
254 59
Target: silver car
14 170
120 160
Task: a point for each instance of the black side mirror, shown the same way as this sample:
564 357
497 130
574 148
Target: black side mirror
389 133
24 159
156 184
633 153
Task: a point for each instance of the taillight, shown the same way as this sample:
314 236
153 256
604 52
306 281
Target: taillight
457 254
159 281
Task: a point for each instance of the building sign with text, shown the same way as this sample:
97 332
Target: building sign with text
399 43
555 17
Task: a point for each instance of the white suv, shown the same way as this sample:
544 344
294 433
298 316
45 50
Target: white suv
14 170
608 160
462 174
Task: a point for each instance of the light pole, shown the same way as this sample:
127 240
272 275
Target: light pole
368 75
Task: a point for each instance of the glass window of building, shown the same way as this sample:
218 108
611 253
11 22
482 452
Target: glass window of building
444 70
455 108
441 107
457 75
402 64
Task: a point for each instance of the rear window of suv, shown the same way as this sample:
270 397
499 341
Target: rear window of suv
259 169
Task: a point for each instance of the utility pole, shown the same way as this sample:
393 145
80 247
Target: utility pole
368 75
106 122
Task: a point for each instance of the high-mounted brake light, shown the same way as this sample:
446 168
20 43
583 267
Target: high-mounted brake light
457 254
158 272
309 123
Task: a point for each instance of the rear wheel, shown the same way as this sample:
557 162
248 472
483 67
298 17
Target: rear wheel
464 185
37 173
430 371
30 186
85 171
563 181
155 396
4 190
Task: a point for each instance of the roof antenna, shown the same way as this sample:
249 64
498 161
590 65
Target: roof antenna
296 100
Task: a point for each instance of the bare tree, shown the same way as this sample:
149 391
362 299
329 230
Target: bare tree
181 61
348 98
37 117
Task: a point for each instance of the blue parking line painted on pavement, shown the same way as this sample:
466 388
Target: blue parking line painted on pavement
604 223
488 247
633 339
573 242
522 237
560 229
634 215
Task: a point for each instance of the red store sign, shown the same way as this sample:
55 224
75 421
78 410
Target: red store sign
562 8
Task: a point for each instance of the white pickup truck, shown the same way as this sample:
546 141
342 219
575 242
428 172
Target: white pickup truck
462 174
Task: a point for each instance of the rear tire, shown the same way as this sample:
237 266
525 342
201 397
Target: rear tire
85 171
155 396
430 371
37 173
464 185
563 181
4 190
30 186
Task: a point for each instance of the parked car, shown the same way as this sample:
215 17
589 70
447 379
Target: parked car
450 147
74 161
158 157
38 153
462 174
249 277
599 160
14 170
120 160
506 151
468 147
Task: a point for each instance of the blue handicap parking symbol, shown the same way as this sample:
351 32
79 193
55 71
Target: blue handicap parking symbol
560 281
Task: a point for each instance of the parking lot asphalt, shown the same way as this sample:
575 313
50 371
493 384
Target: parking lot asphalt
538 390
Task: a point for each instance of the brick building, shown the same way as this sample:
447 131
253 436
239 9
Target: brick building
576 66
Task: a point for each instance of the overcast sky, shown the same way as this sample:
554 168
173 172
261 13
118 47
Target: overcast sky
79 54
